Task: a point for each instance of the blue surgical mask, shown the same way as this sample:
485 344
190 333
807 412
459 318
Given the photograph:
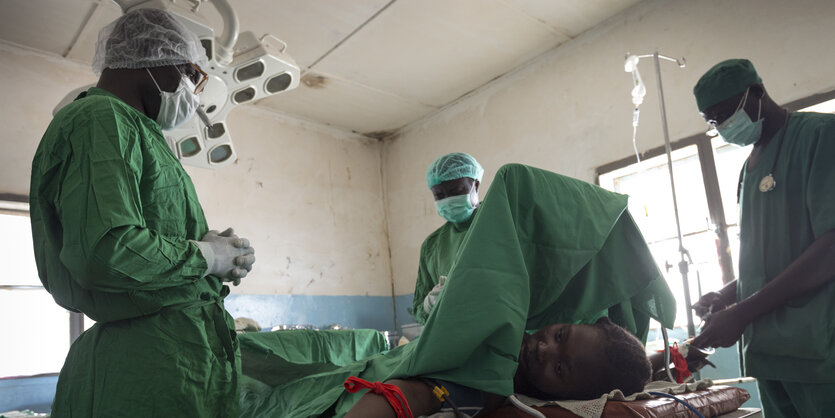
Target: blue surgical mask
455 209
176 107
739 129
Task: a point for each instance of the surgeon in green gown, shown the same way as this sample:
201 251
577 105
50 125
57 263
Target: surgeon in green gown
120 235
453 179
782 303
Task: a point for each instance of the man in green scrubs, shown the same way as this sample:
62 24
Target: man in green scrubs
782 304
120 235
453 179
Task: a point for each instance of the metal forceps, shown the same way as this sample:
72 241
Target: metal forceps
706 316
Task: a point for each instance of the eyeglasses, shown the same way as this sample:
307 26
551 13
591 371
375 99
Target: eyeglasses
201 77
720 116
204 79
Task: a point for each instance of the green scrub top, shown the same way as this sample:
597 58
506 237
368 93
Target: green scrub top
112 214
437 254
792 343
544 249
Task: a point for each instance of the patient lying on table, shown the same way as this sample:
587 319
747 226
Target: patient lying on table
543 249
561 361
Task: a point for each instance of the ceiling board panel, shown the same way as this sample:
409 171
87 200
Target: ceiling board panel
344 104
434 51
572 17
85 46
310 28
47 25
372 66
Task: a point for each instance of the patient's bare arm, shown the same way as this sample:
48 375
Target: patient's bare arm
418 395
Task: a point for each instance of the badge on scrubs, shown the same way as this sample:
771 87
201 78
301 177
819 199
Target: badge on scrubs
767 184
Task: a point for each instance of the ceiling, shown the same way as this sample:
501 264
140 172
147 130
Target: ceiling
368 66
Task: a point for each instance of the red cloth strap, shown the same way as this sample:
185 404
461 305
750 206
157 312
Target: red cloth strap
680 364
392 393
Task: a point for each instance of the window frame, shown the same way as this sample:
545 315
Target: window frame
710 177
18 205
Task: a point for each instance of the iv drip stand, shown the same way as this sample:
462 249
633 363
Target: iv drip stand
683 265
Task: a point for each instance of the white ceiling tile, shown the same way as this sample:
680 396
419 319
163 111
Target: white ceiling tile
344 104
47 25
572 17
85 46
434 51
385 63
310 28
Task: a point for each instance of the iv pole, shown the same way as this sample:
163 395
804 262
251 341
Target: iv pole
683 265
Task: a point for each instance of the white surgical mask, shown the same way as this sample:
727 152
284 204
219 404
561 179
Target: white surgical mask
739 129
178 106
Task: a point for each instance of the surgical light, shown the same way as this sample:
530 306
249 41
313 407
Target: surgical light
242 69
253 69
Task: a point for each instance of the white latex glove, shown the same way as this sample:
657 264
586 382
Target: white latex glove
432 298
228 257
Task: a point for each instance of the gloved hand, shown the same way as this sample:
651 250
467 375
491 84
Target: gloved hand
709 303
724 328
245 261
697 358
432 298
229 257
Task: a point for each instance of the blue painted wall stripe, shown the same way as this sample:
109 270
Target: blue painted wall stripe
33 393
376 312
402 305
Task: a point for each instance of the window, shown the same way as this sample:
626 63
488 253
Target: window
651 204
706 176
36 331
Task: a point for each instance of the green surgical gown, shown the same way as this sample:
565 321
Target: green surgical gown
278 357
542 249
795 342
112 215
438 252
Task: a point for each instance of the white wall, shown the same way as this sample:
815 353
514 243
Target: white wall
570 110
313 195
308 197
32 84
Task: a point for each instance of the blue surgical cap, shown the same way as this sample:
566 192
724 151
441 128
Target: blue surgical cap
453 166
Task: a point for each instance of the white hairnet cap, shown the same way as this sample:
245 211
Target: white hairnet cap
146 38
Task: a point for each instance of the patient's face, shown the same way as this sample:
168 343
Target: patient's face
563 361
